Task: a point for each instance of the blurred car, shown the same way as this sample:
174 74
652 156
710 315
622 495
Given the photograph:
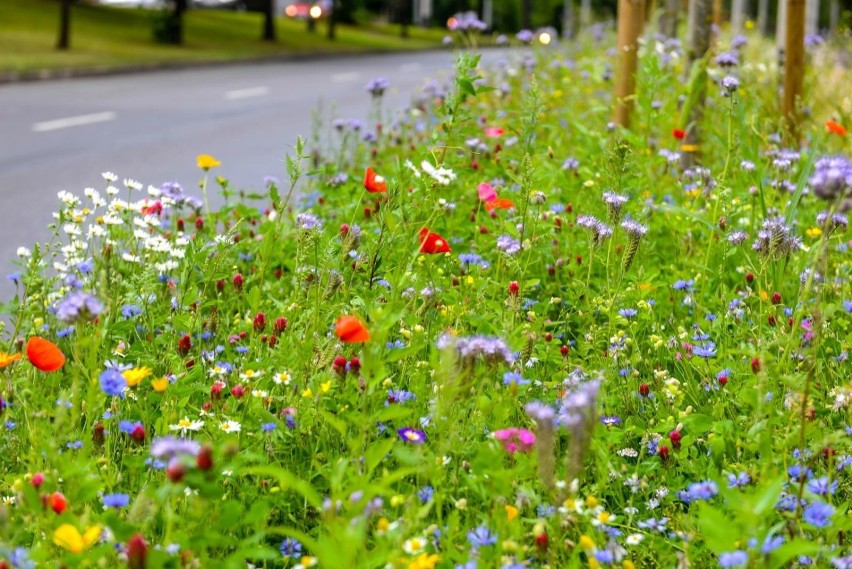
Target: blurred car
300 10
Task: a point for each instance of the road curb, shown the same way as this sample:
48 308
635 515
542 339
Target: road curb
88 72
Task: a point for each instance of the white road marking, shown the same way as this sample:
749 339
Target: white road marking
78 120
345 77
246 93
410 67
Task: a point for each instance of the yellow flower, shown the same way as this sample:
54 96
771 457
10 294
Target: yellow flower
307 393
591 502
511 512
627 564
594 563
68 538
160 384
324 387
424 561
135 375
8 359
382 525
813 232
205 162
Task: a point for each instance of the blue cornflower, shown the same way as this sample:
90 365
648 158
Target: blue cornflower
610 420
399 396
65 332
738 480
113 383
821 486
652 524
699 491
473 259
267 427
545 511
799 472
684 285
513 378
481 537
130 310
708 350
19 558
128 426
115 500
771 543
604 556
842 562
736 558
818 514
847 305
395 345
74 445
10 425
291 548
628 312
425 494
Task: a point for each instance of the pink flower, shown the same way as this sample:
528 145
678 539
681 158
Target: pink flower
514 439
487 193
494 132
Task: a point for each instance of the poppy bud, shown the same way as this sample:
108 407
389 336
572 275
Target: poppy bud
37 480
137 552
238 391
176 471
272 341
579 259
199 223
675 438
259 322
204 460
541 541
514 288
57 502
137 435
644 390
663 453
280 325
238 281
98 433
184 344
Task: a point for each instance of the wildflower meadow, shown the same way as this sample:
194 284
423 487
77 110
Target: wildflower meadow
492 329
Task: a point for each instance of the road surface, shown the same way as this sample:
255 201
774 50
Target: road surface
60 135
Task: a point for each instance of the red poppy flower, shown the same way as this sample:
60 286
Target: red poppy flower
835 128
351 330
499 203
44 354
432 242
374 183
679 134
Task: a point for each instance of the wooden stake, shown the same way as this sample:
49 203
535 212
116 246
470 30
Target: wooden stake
718 14
631 16
697 46
794 64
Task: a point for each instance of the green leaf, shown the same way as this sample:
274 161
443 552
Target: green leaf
718 531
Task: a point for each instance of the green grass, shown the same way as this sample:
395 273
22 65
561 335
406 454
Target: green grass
104 37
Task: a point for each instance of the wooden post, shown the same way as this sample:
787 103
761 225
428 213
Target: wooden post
718 14
631 15
794 64
738 15
812 17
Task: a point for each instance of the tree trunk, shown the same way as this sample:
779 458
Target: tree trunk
811 17
64 40
568 19
833 16
697 45
585 13
763 16
781 32
269 20
332 19
738 15
794 65
180 9
526 14
669 18
718 15
631 16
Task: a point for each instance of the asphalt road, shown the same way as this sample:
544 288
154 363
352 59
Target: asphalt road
60 135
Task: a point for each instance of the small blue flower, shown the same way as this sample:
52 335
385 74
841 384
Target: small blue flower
291 548
627 313
113 383
513 378
481 537
115 500
818 514
425 494
267 427
736 558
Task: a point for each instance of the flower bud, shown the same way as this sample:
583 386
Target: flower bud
137 552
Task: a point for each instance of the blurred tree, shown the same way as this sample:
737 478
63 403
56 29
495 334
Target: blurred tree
332 19
526 14
64 41
269 20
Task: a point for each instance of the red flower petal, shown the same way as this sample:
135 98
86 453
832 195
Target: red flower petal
44 354
835 128
679 134
433 243
374 183
351 330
